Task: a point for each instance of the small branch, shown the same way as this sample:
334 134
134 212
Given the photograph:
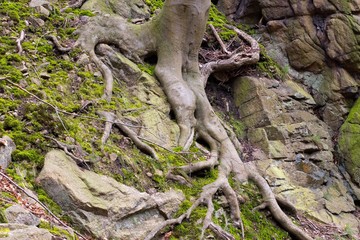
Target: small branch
19 40
65 147
57 44
41 204
220 232
218 38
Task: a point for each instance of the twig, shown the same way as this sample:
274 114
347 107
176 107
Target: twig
66 148
19 40
41 204
218 38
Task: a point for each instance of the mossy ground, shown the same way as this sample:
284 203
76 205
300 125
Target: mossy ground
59 80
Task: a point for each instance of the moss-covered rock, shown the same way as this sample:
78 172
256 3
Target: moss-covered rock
349 142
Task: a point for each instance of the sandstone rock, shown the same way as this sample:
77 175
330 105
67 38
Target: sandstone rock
102 206
342 32
12 231
17 214
7 146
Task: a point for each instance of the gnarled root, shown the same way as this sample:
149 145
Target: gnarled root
176 35
112 119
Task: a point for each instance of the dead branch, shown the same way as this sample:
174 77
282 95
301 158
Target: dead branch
110 117
218 38
250 56
68 150
58 46
41 204
19 41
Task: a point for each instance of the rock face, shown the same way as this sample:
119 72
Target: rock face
7 146
318 41
102 206
298 162
349 142
23 232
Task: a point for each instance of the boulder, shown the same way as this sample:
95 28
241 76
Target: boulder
7 146
102 206
17 214
12 231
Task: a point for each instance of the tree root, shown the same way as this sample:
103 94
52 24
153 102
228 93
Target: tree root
58 46
19 41
176 36
112 119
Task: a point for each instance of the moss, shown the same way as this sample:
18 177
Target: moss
218 20
57 231
154 5
4 232
44 198
269 67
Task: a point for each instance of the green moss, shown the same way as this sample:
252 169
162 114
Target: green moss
44 198
4 232
269 67
154 5
218 20
148 68
57 231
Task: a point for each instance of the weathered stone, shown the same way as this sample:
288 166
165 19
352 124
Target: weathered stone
343 40
102 206
303 56
273 10
13 231
349 142
7 146
17 214
124 8
340 204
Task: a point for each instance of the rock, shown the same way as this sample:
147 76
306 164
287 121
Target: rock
124 8
17 214
12 231
38 3
7 146
349 142
101 205
45 75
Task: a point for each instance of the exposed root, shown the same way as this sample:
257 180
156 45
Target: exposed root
271 203
112 119
237 60
19 41
58 46
176 35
